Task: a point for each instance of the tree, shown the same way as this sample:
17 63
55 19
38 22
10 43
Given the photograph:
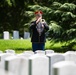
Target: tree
59 14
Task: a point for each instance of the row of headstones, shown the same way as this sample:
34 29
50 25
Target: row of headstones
6 35
39 63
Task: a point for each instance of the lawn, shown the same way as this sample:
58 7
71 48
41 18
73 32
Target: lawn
23 45
17 45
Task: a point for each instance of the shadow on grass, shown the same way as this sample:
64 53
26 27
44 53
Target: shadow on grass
67 46
23 49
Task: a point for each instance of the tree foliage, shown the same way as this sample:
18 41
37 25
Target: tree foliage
59 14
12 14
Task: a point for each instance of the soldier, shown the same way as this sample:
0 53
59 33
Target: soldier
38 29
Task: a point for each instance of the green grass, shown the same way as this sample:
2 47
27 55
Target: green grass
18 45
22 45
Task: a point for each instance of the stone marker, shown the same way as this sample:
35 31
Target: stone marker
25 65
26 35
13 65
3 72
70 56
54 58
6 35
38 65
23 55
28 52
2 58
49 51
19 65
70 52
25 62
39 52
15 34
64 68
10 51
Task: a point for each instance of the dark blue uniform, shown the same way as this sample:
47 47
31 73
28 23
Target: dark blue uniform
38 42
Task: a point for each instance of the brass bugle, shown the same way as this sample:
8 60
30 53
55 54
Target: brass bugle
42 20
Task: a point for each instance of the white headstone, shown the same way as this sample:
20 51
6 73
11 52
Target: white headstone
6 35
70 52
39 52
26 35
13 65
15 34
39 65
2 58
25 65
10 51
70 56
24 55
28 52
54 58
3 72
19 65
64 68
49 51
